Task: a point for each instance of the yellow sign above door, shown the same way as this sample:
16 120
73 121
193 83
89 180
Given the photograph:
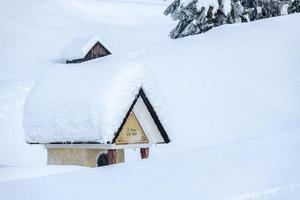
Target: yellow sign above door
132 132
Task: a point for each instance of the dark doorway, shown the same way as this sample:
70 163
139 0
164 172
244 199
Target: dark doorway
102 160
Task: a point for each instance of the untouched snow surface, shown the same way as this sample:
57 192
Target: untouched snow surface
261 168
10 173
233 93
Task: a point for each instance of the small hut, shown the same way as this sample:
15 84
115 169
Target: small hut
89 114
84 49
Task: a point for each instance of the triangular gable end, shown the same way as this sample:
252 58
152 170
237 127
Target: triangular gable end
97 51
141 97
132 132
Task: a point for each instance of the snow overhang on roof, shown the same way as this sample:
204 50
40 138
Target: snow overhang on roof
79 47
88 102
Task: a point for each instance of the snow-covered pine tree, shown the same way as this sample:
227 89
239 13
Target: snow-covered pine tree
222 12
294 7
236 12
172 9
198 16
255 8
270 8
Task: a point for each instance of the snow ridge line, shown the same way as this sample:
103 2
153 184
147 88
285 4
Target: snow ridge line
268 193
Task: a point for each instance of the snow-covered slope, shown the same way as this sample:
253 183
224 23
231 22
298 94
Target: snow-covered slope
33 33
257 169
237 81
233 94
13 149
10 173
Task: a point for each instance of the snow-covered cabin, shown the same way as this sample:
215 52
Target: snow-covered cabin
88 114
84 49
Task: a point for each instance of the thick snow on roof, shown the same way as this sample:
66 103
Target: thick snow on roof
233 94
79 47
87 102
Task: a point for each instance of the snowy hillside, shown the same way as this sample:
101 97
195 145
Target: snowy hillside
233 94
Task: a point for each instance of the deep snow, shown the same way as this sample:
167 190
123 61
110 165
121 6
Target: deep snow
233 93
87 102
10 173
261 168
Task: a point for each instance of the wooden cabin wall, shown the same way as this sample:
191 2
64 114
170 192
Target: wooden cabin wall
97 51
70 156
83 157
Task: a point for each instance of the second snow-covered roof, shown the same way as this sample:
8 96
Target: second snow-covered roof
87 102
79 47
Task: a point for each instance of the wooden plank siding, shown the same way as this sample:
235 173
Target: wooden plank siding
97 51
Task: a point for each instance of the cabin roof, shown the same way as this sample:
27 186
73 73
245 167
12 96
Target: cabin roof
88 102
79 47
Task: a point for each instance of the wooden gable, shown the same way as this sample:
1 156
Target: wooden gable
97 51
132 132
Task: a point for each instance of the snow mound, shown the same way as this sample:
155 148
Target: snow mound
13 173
87 102
79 47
